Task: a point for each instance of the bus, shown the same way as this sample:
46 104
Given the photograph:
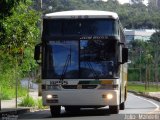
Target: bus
83 57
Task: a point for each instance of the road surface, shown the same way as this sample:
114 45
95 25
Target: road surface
134 105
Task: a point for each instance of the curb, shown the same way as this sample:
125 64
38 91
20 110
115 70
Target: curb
144 95
14 111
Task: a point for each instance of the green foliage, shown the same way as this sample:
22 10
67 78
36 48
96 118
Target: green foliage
25 33
145 55
141 87
7 93
28 101
7 5
7 84
40 105
21 34
133 74
136 15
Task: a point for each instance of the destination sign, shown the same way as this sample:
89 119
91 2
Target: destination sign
93 37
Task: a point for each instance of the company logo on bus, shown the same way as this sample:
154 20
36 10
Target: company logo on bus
58 82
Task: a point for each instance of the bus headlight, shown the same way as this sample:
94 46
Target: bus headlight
109 96
49 96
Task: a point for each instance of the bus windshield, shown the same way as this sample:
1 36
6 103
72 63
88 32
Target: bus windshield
78 27
72 59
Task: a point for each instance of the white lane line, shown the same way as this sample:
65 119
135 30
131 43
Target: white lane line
157 106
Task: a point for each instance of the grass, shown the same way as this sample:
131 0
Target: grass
141 88
40 105
7 85
29 101
8 93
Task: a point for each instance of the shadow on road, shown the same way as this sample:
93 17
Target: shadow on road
82 113
87 112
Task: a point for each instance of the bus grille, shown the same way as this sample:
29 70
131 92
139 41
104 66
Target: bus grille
79 86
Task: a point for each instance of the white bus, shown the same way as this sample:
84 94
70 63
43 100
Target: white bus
83 57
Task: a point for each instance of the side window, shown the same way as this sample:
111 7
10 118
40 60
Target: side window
117 32
122 37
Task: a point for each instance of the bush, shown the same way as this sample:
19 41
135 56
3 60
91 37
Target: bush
39 103
28 101
31 102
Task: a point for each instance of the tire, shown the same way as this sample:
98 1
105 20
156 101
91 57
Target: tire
114 109
72 109
122 106
55 111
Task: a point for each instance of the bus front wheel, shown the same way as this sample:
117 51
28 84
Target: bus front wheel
55 111
114 109
122 106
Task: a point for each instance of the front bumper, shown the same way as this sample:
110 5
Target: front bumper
80 97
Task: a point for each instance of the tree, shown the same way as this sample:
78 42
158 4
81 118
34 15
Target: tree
21 35
136 15
155 43
6 7
142 59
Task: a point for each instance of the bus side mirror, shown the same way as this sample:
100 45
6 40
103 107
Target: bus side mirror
124 55
37 53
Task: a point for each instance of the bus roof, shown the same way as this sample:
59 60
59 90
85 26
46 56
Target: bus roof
82 14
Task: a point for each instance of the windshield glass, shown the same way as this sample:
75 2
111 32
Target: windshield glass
81 59
78 27
97 58
61 60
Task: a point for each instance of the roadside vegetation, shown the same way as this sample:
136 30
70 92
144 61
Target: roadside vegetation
145 61
29 101
139 87
18 36
9 92
132 16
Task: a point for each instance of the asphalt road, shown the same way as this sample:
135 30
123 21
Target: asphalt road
136 108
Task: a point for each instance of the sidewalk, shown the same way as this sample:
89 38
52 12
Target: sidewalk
155 94
9 106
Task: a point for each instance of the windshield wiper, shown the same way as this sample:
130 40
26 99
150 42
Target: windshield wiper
95 74
67 62
88 62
